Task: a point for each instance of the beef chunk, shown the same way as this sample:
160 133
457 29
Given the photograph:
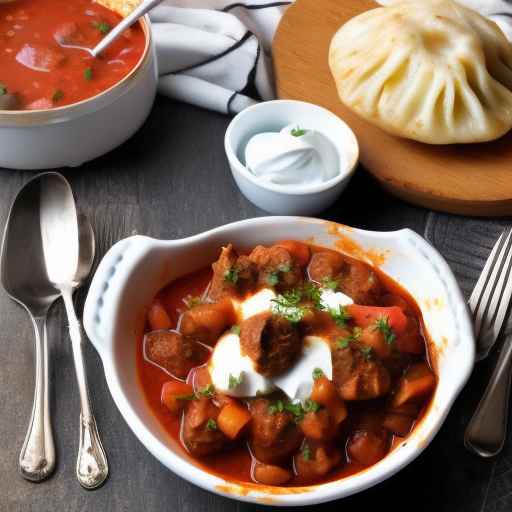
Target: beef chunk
200 432
174 352
271 341
207 322
276 267
357 375
274 437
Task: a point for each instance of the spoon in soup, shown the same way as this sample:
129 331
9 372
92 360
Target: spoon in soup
144 7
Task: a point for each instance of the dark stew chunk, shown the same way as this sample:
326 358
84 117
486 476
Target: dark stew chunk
274 435
315 460
174 352
271 341
358 375
201 434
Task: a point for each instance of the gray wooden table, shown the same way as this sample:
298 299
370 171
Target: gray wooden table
172 180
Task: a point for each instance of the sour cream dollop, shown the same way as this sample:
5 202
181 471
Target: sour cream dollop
294 156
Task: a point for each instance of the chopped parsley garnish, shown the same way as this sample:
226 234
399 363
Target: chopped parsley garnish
57 95
272 278
382 325
317 373
276 407
314 294
192 396
306 452
330 284
284 267
310 405
295 409
231 275
192 302
235 330
298 132
88 74
340 315
288 306
211 424
367 352
102 26
3 89
345 342
234 382
207 391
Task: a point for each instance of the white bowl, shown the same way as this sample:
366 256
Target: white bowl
271 116
134 269
71 135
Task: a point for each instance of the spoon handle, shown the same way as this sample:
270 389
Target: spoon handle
142 9
37 457
91 464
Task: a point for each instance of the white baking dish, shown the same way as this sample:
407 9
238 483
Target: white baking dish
136 268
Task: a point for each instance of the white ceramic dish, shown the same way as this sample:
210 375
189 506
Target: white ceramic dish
271 116
134 269
71 135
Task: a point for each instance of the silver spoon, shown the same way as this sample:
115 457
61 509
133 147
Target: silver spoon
24 277
68 251
127 22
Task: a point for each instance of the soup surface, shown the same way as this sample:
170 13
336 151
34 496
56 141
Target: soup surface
288 365
42 61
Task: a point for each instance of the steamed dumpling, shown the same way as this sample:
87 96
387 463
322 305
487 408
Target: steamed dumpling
429 70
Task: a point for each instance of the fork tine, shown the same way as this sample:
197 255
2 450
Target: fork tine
490 299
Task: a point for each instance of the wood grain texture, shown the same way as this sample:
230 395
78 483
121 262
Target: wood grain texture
172 180
470 179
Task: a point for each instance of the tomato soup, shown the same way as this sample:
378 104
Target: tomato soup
43 63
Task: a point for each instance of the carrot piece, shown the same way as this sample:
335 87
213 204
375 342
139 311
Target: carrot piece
157 316
232 419
271 475
365 316
174 395
324 392
299 251
367 447
398 424
417 382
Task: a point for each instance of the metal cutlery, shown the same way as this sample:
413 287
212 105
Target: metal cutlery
486 431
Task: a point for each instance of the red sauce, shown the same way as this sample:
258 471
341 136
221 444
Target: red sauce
38 64
235 464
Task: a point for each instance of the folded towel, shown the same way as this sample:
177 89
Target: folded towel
216 54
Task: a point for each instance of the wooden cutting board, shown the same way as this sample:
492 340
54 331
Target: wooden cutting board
470 179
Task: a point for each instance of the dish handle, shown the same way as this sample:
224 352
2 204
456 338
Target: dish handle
108 283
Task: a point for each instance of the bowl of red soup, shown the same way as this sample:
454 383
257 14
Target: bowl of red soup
59 106
281 360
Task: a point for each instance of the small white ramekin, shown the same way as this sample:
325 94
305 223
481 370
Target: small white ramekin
272 116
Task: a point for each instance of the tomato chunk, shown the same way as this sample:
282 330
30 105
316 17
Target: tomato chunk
365 316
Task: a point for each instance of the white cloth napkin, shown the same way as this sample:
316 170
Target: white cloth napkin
216 53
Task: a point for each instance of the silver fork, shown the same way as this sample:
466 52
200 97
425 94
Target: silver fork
486 432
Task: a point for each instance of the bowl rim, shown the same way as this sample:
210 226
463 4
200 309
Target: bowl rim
309 495
241 169
52 115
